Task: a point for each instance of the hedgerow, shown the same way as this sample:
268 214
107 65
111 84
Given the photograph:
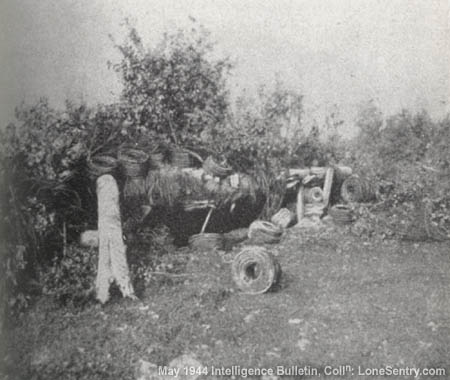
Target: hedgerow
406 157
171 94
175 96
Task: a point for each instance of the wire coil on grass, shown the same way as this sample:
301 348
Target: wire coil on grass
356 189
133 161
314 195
206 241
283 218
264 232
342 214
99 165
255 271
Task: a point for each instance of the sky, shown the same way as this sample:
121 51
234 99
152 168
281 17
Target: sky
338 53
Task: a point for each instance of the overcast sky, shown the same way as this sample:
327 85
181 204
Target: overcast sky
341 52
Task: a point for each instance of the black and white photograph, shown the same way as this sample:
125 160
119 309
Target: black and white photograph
224 189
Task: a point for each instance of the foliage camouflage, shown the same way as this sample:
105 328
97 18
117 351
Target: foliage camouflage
175 94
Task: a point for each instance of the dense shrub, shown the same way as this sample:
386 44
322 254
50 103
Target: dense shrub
174 90
153 259
47 195
70 279
260 131
407 154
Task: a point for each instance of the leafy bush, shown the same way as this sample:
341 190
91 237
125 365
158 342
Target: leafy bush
261 131
174 90
48 197
70 279
407 152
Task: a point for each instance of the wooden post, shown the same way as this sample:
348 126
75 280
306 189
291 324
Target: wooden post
327 186
112 262
300 204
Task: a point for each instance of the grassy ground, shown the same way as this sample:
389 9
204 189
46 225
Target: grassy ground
341 301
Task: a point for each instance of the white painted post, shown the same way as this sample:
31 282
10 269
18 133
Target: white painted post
112 262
